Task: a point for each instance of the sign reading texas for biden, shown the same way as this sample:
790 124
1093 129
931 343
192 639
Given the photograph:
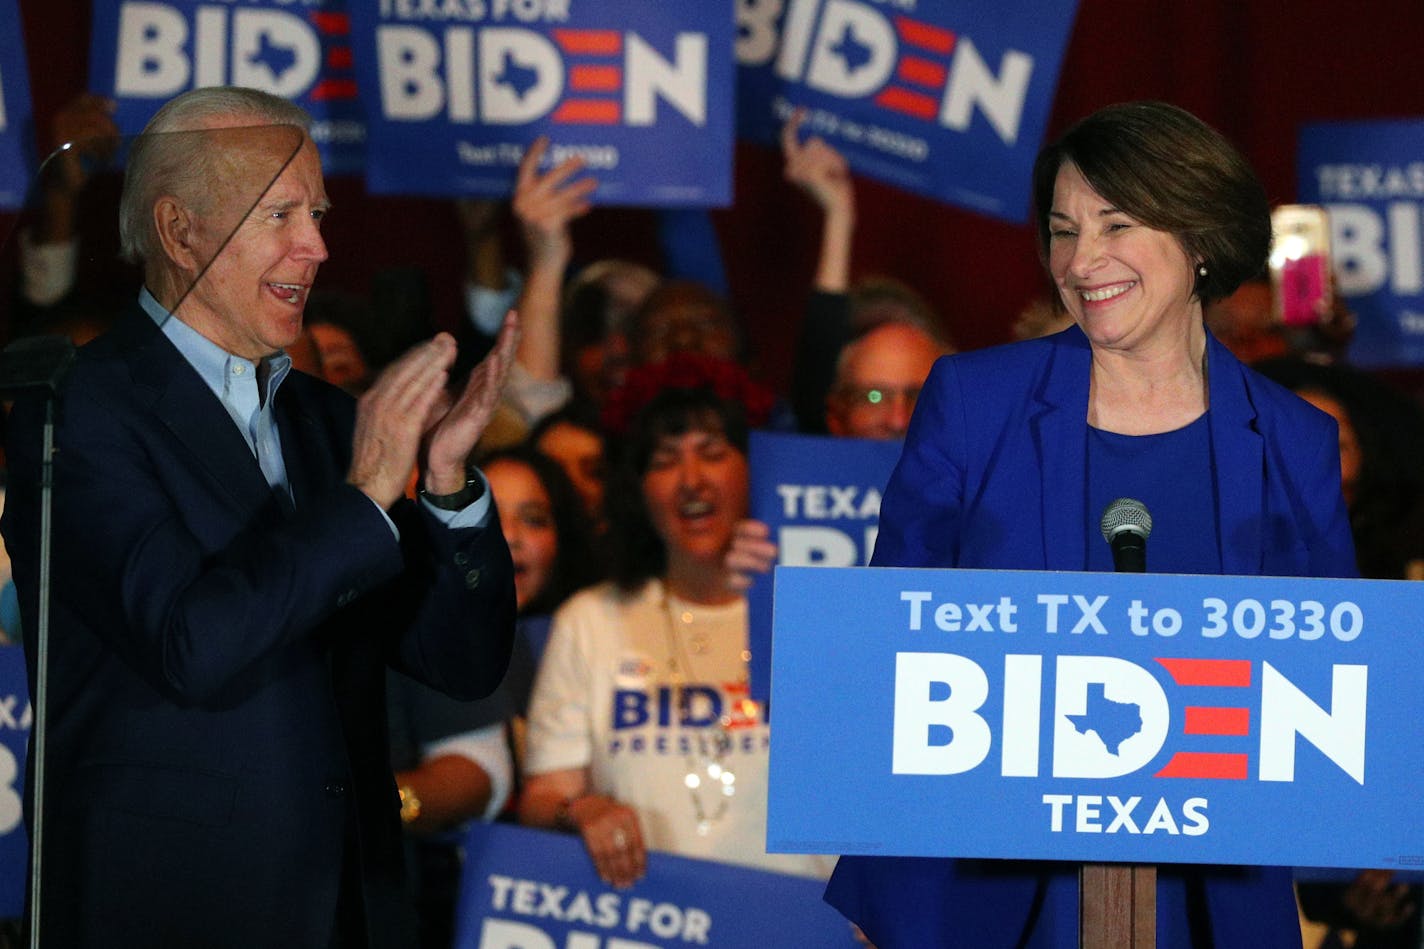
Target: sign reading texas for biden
1097 717
145 52
1370 177
16 126
532 889
946 98
820 498
641 89
15 721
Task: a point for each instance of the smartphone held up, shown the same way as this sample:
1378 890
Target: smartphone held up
1300 264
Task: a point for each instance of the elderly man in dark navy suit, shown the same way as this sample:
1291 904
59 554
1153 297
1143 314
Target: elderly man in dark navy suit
235 563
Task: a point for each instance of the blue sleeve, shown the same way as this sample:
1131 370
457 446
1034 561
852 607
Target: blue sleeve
920 514
1323 504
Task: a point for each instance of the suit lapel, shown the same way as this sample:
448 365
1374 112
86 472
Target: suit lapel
1238 460
183 403
305 453
1060 440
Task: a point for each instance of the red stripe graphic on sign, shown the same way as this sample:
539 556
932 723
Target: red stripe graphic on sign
332 24
910 103
338 57
329 89
588 112
589 42
925 36
921 72
1198 764
596 78
1217 720
1235 672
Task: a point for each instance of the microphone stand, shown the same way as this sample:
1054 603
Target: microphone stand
1117 902
39 363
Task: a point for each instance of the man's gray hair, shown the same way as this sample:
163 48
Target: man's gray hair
160 162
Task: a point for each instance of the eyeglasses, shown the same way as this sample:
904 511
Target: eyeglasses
878 397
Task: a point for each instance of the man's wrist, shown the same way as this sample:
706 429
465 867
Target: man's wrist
456 500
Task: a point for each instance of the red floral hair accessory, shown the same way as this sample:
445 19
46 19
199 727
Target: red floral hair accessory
727 380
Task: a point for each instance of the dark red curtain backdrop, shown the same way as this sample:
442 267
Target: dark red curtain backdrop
1256 69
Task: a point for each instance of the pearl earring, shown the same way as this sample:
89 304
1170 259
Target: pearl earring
1201 271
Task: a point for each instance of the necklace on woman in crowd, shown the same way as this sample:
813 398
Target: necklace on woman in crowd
708 771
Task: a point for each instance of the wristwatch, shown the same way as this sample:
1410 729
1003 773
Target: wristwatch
461 499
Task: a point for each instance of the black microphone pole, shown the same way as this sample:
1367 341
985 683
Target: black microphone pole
38 364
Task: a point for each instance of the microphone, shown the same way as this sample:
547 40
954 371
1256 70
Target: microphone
35 362
1126 525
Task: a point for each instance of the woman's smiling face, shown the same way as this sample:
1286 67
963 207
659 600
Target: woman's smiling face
1129 286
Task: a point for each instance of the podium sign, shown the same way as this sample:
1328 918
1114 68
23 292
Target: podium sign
1097 717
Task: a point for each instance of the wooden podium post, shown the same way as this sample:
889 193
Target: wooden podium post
1117 906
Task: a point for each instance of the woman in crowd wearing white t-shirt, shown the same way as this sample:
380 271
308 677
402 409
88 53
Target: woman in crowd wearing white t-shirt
641 732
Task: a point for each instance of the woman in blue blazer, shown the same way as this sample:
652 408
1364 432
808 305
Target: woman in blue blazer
1144 214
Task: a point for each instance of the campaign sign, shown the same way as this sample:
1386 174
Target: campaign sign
641 89
1097 717
821 498
946 98
15 719
145 52
1370 178
16 121
533 889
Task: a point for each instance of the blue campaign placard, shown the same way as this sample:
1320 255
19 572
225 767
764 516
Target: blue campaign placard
1097 717
533 889
820 496
1370 178
946 98
15 719
145 52
641 89
17 145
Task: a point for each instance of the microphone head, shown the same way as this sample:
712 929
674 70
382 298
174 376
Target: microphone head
1126 515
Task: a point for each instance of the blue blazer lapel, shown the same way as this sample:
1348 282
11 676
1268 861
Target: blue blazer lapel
1060 430
180 400
1238 461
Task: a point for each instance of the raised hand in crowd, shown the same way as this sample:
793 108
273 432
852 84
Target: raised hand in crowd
818 169
545 204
